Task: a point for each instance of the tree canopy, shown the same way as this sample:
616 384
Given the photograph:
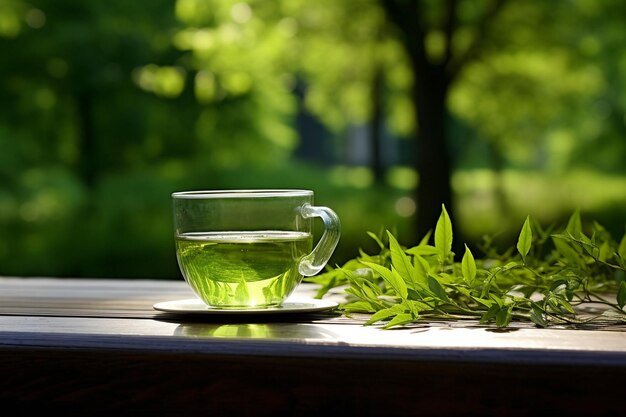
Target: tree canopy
107 107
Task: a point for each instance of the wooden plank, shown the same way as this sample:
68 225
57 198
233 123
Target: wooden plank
68 317
95 297
133 383
316 338
85 346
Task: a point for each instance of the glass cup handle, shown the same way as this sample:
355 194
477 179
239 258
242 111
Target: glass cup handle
313 263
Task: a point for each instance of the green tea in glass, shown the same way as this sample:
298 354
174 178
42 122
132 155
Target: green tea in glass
249 248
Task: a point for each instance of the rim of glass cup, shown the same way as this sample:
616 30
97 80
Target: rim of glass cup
257 193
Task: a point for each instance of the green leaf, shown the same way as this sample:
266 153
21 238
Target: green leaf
485 302
400 319
525 239
437 289
497 299
574 225
463 290
331 283
564 305
498 288
536 315
587 244
567 251
416 306
468 265
368 290
392 277
511 265
423 250
376 239
426 238
384 314
490 314
401 261
399 284
621 294
422 268
443 235
358 307
503 317
486 286
605 251
352 290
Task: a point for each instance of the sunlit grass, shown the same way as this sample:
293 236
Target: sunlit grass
490 204
52 204
401 177
357 177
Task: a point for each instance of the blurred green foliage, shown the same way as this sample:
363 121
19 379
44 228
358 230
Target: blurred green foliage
108 107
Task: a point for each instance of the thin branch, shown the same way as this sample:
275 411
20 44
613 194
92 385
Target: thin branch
449 26
406 17
474 49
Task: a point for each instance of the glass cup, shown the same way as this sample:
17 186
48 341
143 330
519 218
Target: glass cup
249 248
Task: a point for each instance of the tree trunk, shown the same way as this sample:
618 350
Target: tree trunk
432 80
376 131
429 94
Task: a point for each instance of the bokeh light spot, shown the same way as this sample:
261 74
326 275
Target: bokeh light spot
35 18
241 12
405 206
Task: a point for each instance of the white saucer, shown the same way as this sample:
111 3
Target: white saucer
290 306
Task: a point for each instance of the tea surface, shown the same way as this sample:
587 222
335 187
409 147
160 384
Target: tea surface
242 269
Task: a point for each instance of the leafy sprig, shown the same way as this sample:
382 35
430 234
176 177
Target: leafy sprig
545 279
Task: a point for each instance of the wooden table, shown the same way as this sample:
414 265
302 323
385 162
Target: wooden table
97 346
